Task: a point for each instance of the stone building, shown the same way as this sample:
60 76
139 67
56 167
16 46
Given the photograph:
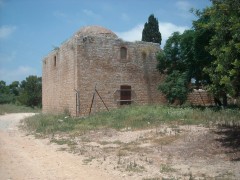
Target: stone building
96 63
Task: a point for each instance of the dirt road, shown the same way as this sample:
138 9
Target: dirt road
24 157
169 152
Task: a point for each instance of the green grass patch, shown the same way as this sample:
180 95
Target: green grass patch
165 168
12 108
134 167
88 160
135 117
50 124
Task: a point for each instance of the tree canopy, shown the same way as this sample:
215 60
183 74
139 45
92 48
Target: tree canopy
224 46
176 62
31 94
151 31
28 92
175 87
210 52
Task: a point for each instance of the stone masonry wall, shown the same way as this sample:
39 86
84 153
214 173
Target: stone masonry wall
202 98
100 65
59 80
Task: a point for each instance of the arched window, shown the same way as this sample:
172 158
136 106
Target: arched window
123 53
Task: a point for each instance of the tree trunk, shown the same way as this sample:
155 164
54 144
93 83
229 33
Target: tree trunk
225 100
217 101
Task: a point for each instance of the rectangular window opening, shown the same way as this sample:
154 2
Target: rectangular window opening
55 61
123 53
125 95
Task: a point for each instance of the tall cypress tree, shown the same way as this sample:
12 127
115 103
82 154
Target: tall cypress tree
151 31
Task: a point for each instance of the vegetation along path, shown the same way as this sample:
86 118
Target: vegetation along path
132 143
24 157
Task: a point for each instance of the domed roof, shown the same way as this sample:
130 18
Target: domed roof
96 31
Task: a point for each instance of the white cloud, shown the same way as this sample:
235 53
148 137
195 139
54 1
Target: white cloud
166 29
91 14
18 74
6 31
183 5
134 34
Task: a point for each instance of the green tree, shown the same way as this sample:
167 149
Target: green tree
175 62
31 91
224 47
179 54
188 63
3 87
151 31
210 53
175 87
169 59
5 95
202 57
14 88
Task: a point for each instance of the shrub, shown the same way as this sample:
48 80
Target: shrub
175 87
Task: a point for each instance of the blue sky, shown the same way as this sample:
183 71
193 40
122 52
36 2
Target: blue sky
30 29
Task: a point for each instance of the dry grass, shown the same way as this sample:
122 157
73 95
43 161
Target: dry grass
160 138
12 108
133 117
165 140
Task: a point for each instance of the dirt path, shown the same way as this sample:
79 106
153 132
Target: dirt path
163 152
24 157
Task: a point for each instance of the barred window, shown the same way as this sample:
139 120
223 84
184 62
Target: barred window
125 95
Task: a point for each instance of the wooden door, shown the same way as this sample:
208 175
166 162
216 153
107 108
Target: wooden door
125 95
